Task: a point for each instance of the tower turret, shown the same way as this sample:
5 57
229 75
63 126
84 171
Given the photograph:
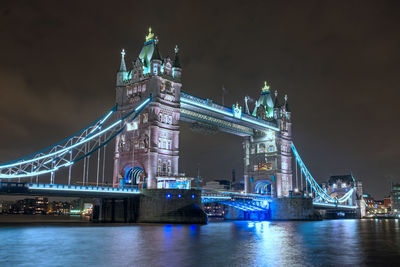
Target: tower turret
264 107
156 59
122 73
287 109
276 106
176 67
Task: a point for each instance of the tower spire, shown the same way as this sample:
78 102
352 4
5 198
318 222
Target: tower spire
276 104
149 36
176 64
123 66
287 104
265 88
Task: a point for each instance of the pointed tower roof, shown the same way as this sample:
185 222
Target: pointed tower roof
276 103
156 52
149 47
122 67
266 101
177 63
287 104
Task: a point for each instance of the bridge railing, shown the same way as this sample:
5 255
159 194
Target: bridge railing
86 188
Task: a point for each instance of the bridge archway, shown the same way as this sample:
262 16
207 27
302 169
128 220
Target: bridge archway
263 187
133 175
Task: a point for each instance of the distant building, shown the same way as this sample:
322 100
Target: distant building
369 202
218 185
395 198
387 202
41 205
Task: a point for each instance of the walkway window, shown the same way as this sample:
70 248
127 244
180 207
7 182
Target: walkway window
261 148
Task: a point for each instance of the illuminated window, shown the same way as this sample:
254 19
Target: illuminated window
169 166
271 149
261 148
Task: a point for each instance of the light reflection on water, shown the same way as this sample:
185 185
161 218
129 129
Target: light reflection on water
241 243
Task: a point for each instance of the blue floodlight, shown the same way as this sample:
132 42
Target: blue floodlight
168 195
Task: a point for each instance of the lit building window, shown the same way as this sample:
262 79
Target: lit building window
261 148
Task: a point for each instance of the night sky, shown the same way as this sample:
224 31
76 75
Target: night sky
338 61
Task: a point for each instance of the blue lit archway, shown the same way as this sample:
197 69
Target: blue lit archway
134 175
263 187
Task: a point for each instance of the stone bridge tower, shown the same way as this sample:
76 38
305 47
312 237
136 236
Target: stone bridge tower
268 160
151 142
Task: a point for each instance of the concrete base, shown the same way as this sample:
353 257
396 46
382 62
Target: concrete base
171 206
340 214
293 209
235 214
152 206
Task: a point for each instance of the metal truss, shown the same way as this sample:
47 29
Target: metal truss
321 194
69 151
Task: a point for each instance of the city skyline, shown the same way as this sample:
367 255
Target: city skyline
58 74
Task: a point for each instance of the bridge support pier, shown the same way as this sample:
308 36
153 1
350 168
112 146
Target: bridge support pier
283 209
152 206
115 210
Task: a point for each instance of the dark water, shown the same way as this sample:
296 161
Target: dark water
323 243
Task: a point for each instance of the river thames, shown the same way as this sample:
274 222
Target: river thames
226 243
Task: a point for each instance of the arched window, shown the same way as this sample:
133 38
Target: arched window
159 166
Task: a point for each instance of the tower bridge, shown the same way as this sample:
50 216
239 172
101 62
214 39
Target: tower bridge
144 129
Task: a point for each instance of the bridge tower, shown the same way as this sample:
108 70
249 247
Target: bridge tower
152 140
268 160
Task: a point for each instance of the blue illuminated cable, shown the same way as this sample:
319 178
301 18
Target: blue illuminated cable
137 109
63 141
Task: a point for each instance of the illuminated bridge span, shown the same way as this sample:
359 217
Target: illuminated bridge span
60 190
144 128
79 146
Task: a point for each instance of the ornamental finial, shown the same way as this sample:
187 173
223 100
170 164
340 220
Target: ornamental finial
286 98
176 49
276 93
123 52
149 36
265 88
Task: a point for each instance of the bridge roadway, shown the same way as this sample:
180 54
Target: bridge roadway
13 188
208 196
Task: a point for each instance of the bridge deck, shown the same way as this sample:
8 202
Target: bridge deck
11 188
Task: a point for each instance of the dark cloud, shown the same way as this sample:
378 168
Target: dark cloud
337 61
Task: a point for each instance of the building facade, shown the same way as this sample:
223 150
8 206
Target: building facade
268 158
152 141
395 198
